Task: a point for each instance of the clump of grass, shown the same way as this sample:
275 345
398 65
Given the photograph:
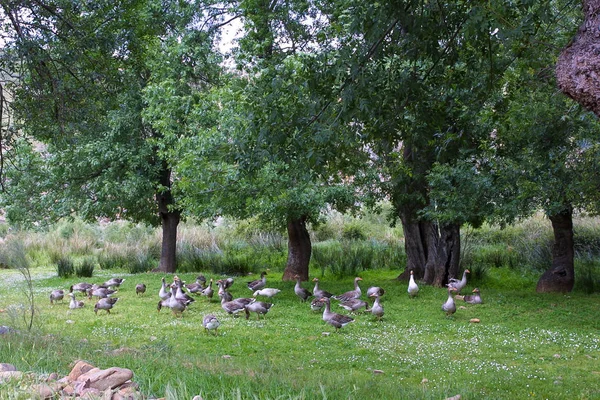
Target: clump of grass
85 269
587 274
348 258
64 267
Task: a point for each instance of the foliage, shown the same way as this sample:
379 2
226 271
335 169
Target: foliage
85 268
64 267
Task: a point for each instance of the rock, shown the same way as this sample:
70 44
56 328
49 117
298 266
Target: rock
6 376
457 397
377 371
44 391
127 393
107 378
81 367
7 367
474 320
91 394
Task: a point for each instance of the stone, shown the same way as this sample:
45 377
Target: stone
107 378
457 397
6 376
7 367
81 367
474 320
44 391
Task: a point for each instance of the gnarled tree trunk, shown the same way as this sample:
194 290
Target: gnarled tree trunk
578 66
443 260
417 235
299 250
561 276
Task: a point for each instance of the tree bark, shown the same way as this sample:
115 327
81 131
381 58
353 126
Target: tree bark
444 257
561 276
578 65
299 250
416 246
169 218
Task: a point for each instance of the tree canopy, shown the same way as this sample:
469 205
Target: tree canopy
449 110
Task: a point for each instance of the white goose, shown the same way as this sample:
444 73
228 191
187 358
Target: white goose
74 303
413 288
267 292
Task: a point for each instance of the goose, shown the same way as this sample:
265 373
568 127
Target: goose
227 282
413 288
354 305
352 294
459 284
57 295
377 309
334 319
267 292
164 293
81 287
114 282
210 323
474 298
105 303
449 306
259 283
375 289
318 292
198 286
177 306
234 306
300 291
74 303
226 295
100 292
317 304
208 291
181 295
140 288
259 307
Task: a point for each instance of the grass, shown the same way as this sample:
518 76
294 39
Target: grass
526 346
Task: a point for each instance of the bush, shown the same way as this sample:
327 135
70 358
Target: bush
348 258
86 269
354 231
64 267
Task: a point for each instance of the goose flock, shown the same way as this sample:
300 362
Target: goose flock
178 296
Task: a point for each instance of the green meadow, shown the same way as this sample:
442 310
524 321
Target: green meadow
526 345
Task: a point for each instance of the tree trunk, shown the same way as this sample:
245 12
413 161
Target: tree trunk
169 218
299 250
561 276
416 246
578 65
447 256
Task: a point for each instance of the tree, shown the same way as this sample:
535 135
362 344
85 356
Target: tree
88 65
427 71
275 159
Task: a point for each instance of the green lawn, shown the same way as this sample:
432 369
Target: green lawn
526 345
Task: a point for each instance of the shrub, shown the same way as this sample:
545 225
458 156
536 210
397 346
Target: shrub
86 269
64 267
587 274
354 231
